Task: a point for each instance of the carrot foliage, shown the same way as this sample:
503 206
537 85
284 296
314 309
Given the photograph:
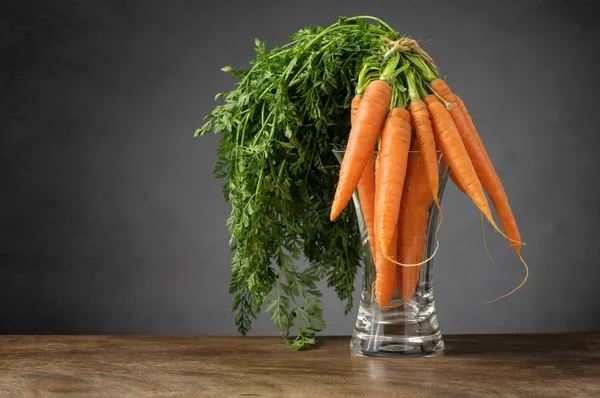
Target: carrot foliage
279 125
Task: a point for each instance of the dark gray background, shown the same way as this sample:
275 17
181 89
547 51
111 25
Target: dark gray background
110 220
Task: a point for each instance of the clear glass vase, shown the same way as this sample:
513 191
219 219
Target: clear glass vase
406 328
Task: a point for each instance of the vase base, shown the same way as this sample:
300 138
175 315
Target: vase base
407 330
397 346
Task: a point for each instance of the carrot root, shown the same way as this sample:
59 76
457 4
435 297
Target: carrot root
516 288
437 246
439 207
485 244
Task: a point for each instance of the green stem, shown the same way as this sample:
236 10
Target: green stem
401 98
420 87
267 90
413 91
363 77
258 185
331 28
379 21
281 168
249 114
426 70
400 70
264 124
388 72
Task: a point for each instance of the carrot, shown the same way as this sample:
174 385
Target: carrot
469 121
369 120
424 135
366 186
499 198
385 273
482 165
412 222
452 175
384 286
354 107
393 157
453 149
386 169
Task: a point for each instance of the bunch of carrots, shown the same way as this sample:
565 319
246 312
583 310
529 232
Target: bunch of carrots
403 117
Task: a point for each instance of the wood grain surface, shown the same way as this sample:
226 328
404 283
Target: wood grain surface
544 365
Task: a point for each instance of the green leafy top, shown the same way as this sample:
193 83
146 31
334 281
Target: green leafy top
279 127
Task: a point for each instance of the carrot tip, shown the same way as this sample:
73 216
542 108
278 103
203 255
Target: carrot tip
335 213
516 244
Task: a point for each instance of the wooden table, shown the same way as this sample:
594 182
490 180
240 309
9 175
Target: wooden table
546 365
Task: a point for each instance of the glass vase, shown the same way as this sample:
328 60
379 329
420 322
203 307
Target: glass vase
405 328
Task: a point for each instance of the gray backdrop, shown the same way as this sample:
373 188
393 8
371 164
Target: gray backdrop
110 220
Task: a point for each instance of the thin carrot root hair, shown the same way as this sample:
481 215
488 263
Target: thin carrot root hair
389 307
373 291
485 244
436 200
437 246
439 207
516 288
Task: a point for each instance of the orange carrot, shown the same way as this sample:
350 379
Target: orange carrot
382 265
424 135
453 149
412 222
366 186
385 273
354 107
369 120
375 254
482 165
452 176
469 121
393 157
